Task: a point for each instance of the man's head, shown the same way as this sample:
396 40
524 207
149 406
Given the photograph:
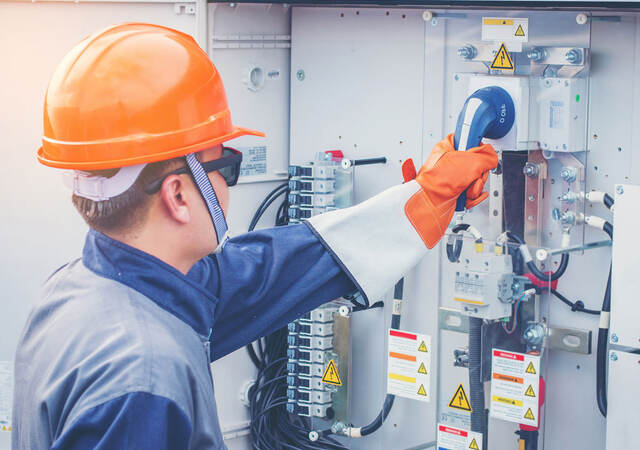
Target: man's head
139 104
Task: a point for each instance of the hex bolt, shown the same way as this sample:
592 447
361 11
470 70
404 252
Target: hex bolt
620 190
568 174
537 54
614 338
573 56
568 218
568 197
467 52
614 357
300 75
531 170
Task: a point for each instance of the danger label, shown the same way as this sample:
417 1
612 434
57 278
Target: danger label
460 400
515 384
409 365
450 438
502 60
505 29
331 375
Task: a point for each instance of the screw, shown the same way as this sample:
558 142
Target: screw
568 174
614 357
574 56
300 74
556 214
434 21
531 198
467 52
620 190
313 436
531 170
614 338
537 54
568 197
232 5
530 218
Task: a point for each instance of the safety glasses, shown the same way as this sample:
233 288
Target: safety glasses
228 165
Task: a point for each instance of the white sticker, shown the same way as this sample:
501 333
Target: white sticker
409 365
254 161
515 387
505 29
6 394
556 113
450 438
273 74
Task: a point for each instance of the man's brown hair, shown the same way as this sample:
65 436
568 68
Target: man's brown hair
128 210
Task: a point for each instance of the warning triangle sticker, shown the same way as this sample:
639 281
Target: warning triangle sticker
421 391
474 445
502 60
530 392
331 375
520 31
460 400
531 369
423 347
529 415
422 369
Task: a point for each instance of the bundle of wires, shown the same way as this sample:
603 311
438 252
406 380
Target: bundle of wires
272 427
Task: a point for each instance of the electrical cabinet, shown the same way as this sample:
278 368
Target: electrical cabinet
382 81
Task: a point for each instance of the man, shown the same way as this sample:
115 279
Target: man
116 354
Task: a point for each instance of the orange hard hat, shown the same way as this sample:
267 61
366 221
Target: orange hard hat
132 94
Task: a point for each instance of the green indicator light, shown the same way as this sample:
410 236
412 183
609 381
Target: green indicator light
577 98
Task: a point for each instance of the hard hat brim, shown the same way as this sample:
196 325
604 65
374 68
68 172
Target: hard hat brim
148 158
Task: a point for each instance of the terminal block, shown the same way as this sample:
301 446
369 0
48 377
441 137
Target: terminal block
486 286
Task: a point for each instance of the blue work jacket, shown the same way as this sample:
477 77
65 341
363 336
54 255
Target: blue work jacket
116 353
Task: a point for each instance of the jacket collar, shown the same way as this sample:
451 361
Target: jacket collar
160 282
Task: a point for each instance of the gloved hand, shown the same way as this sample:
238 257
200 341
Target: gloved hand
377 241
445 175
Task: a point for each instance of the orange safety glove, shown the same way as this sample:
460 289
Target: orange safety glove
446 174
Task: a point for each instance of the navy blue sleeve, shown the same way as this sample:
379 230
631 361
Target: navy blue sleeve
135 420
267 278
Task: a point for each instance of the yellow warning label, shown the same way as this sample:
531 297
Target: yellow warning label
331 375
423 347
497 21
421 391
531 369
474 445
422 369
460 400
520 31
530 392
529 415
502 60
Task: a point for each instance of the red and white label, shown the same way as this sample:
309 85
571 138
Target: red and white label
515 387
450 438
409 365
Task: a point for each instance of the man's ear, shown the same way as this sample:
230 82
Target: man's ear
174 197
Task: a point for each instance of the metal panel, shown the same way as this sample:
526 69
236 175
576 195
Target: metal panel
623 414
625 287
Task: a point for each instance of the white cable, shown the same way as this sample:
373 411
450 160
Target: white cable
595 221
475 232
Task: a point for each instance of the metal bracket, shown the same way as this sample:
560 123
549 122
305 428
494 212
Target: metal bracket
452 320
572 340
535 176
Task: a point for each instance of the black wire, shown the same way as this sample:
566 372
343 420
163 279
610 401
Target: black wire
575 306
564 263
608 201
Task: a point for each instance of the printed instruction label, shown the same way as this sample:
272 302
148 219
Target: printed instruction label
6 394
254 161
515 387
505 29
450 438
409 365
